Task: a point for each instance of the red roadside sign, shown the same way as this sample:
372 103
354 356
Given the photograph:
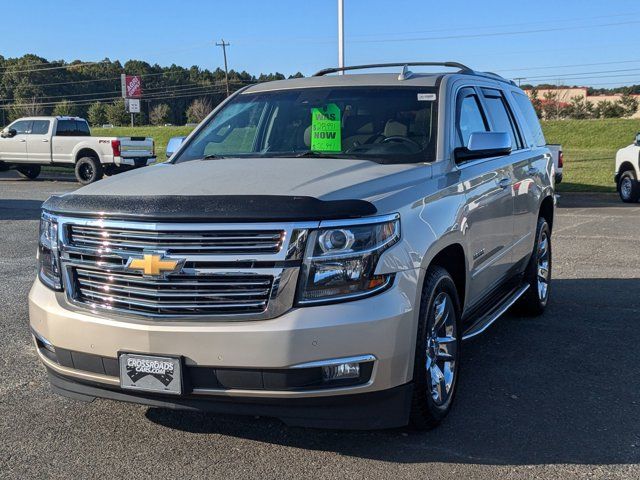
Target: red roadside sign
131 86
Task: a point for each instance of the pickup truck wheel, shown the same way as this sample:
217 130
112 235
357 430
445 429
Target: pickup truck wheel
88 170
538 273
29 171
437 350
628 187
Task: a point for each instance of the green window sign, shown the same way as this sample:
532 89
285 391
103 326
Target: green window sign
325 129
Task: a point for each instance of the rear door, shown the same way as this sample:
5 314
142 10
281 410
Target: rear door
488 223
14 149
64 140
38 142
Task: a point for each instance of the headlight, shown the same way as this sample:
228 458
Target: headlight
48 258
340 261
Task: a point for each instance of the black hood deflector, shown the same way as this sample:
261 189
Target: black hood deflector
207 208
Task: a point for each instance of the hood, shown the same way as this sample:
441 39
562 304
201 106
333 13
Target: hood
323 179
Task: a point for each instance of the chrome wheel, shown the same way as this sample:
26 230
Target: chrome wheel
544 256
442 349
626 188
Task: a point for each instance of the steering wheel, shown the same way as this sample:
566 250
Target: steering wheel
398 138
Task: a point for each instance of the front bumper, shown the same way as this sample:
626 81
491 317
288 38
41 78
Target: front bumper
383 326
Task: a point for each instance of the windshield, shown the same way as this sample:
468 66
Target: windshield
388 125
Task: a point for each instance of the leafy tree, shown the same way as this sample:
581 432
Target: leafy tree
536 102
97 114
65 108
607 109
579 108
629 104
198 110
116 113
159 115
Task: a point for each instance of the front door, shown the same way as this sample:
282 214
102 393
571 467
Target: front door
14 149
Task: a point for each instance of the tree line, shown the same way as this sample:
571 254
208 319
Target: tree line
33 85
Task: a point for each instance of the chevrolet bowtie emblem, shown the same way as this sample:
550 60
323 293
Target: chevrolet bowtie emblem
154 265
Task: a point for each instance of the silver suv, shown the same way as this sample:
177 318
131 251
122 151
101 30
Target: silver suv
316 250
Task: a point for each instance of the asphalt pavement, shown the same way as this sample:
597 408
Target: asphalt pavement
548 397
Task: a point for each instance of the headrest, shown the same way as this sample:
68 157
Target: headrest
394 128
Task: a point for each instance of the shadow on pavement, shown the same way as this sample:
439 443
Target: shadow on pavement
592 200
560 388
19 209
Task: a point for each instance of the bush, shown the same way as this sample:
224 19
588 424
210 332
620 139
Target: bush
97 114
607 109
116 113
65 108
198 110
159 114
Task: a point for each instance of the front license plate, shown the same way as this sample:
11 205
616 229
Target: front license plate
151 374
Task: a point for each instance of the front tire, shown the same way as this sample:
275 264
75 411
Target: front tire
88 170
538 273
30 172
628 187
437 357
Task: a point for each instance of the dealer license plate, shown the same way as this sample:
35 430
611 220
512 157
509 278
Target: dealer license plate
151 374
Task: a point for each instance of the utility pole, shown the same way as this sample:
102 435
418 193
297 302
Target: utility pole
226 71
341 34
519 79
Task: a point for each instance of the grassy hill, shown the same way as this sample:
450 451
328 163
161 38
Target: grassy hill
589 147
590 150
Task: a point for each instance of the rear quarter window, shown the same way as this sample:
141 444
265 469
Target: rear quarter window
532 123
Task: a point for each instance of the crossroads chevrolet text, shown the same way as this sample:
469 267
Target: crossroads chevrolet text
316 250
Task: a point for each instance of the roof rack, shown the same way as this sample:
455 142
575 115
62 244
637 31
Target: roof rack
460 66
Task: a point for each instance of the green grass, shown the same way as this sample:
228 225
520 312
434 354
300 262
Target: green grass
590 148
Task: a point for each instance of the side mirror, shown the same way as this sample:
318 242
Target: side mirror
9 132
638 139
172 145
484 145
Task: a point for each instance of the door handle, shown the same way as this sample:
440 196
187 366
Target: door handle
45 140
505 182
22 140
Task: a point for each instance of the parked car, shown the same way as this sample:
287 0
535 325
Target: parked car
173 144
628 171
29 143
558 160
316 251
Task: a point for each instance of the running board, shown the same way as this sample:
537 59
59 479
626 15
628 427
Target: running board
496 312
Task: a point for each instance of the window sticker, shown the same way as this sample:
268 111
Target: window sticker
427 97
325 129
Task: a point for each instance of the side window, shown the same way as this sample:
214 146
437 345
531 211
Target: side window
82 129
470 118
22 127
66 128
530 117
40 127
501 118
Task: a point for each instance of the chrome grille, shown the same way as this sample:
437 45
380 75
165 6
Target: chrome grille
176 295
179 241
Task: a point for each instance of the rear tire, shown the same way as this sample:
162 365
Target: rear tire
30 172
437 357
538 273
88 170
629 187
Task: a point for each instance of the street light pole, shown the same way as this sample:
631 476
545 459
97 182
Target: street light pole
341 34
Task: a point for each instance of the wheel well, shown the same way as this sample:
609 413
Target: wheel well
87 152
625 167
546 211
453 261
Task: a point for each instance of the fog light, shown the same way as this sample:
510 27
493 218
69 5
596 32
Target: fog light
340 371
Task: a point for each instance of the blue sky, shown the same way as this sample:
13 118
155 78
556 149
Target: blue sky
514 38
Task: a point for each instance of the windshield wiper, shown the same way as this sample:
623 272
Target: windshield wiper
312 154
212 156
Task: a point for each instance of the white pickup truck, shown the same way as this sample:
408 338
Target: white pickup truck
28 143
558 160
628 172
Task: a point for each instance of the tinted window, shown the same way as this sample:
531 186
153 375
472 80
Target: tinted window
500 116
530 118
470 119
82 129
22 127
40 127
66 128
